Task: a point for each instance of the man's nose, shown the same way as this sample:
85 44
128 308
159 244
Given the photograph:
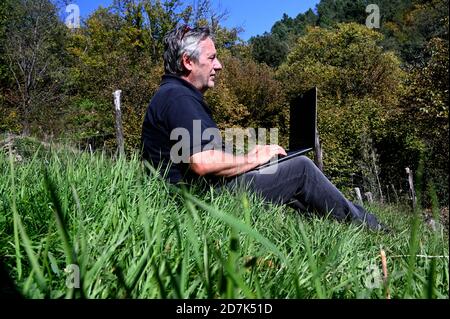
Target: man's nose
217 65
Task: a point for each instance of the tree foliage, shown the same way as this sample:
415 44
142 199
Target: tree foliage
358 90
423 121
269 49
34 54
412 26
407 25
272 48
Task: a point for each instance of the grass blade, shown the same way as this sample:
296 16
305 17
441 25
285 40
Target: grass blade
312 262
238 225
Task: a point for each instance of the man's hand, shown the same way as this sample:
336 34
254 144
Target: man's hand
263 153
223 164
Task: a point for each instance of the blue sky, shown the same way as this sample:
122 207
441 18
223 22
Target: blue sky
254 16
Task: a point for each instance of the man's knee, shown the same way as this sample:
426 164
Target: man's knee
296 166
303 162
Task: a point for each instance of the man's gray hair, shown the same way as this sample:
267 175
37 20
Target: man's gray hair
179 41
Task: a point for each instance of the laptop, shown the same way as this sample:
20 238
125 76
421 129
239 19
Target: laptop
303 127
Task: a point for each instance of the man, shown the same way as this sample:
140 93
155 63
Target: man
178 110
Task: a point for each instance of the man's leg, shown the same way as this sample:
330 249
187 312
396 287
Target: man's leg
300 183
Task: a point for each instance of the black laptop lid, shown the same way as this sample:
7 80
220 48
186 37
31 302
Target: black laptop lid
303 121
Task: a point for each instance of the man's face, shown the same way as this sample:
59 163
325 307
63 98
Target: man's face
203 71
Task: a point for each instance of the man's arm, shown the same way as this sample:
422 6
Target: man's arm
223 164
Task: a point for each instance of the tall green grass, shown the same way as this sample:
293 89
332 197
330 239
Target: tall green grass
133 236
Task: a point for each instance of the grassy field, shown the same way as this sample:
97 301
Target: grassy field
132 236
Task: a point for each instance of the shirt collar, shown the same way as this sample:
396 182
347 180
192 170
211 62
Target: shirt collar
171 78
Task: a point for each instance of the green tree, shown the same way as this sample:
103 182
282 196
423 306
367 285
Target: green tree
269 49
111 52
5 12
162 17
332 12
288 29
408 25
358 85
424 117
34 51
421 23
272 48
8 120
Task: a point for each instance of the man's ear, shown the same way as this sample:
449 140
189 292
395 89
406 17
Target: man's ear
187 62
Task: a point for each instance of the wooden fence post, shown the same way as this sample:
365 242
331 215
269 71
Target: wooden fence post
387 195
411 187
358 195
119 128
395 193
318 152
376 175
318 156
369 197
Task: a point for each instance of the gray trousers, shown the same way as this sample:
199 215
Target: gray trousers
298 182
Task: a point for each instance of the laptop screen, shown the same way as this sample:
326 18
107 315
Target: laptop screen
303 121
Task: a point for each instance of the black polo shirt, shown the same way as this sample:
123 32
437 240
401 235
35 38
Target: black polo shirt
177 109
